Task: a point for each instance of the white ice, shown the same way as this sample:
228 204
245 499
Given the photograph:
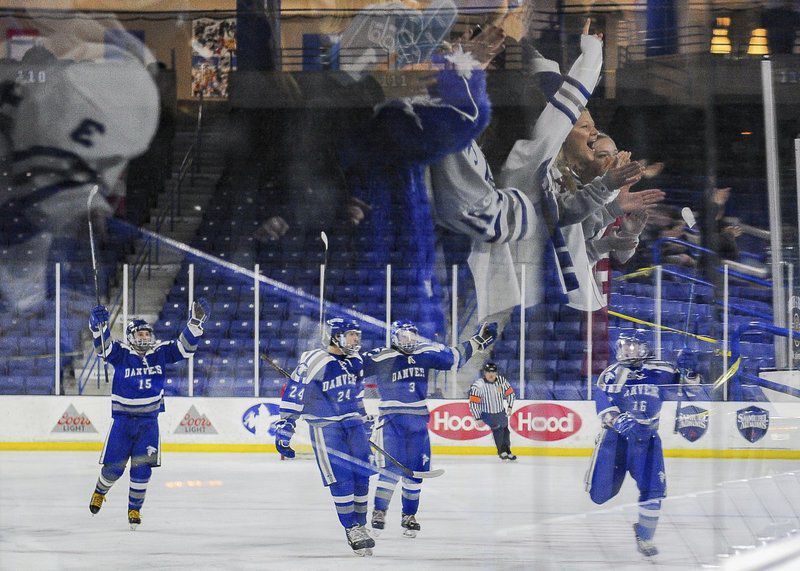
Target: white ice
252 511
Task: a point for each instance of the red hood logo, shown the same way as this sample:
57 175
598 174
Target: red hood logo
454 422
545 421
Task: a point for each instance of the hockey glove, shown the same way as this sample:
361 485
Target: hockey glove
485 336
625 424
369 424
284 430
201 311
97 317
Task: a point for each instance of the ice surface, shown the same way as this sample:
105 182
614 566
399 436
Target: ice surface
252 511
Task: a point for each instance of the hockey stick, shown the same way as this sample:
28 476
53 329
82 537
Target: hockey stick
94 191
405 470
689 219
322 269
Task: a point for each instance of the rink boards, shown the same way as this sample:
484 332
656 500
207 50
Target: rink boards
545 428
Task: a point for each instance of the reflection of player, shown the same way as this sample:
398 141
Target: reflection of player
530 168
326 389
402 376
628 398
79 128
137 397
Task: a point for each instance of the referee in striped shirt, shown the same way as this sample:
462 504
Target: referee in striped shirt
487 398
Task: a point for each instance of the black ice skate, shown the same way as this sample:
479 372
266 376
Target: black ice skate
503 456
134 518
96 502
644 546
378 521
359 540
410 526
511 456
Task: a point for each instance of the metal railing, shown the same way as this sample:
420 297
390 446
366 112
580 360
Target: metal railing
658 244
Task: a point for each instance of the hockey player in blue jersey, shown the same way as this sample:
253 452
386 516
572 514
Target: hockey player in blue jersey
401 372
628 396
326 389
137 397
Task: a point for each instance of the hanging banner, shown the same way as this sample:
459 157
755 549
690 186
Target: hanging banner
213 56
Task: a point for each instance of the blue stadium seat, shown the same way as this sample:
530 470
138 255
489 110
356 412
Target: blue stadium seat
227 346
242 329
243 386
216 327
539 390
39 384
175 386
224 309
9 346
569 391
12 385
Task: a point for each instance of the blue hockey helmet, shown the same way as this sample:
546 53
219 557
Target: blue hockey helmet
632 346
405 335
338 328
140 343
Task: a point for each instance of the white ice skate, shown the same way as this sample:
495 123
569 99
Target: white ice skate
410 526
359 540
378 521
644 546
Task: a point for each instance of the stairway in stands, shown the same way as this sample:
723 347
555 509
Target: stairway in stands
150 282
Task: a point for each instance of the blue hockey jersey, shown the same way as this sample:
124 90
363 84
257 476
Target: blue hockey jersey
639 389
325 388
402 378
138 385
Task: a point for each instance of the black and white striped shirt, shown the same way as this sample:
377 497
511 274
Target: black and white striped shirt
490 397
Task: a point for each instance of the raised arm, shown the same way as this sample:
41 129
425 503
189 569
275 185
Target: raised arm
186 343
566 97
101 336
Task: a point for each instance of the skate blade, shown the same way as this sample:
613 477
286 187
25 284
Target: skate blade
410 533
134 526
363 552
375 532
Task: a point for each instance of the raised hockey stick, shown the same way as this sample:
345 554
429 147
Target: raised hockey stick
324 237
689 219
405 470
92 193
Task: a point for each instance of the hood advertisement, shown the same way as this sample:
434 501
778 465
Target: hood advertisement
454 422
545 422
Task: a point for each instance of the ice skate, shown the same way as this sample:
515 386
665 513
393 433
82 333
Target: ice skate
359 540
134 518
644 546
503 456
378 521
96 502
410 526
510 456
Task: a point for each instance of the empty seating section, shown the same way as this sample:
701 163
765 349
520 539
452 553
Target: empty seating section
555 335
27 311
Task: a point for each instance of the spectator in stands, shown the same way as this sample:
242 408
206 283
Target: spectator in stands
384 154
724 242
615 228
